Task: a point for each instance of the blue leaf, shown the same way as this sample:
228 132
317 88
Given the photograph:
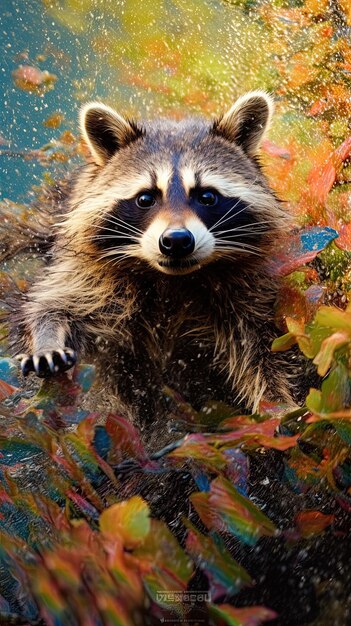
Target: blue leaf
317 238
9 371
84 375
102 442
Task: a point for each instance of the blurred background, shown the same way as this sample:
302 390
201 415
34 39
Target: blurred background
177 57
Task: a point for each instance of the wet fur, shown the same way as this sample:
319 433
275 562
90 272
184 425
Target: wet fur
207 333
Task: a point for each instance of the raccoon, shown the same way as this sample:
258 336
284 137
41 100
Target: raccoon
159 268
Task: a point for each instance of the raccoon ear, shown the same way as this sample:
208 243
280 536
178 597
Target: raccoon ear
105 131
246 122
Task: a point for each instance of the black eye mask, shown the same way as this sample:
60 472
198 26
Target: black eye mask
228 212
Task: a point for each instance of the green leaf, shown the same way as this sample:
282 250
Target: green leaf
314 401
325 355
161 551
128 520
224 509
284 342
334 318
226 576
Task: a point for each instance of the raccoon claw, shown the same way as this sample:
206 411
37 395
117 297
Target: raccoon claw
49 363
26 364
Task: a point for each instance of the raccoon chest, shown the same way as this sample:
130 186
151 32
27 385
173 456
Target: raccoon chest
181 351
177 338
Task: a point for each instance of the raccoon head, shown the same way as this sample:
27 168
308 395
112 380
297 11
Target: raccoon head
178 195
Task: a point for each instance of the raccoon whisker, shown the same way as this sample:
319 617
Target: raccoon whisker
119 233
118 252
115 231
234 244
239 236
113 217
115 261
224 217
124 228
96 238
243 226
230 242
126 236
118 221
248 206
228 252
111 230
244 233
203 238
119 226
283 219
220 221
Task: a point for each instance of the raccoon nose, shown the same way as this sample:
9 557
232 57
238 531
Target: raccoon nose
177 242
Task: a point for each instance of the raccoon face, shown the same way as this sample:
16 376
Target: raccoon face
178 195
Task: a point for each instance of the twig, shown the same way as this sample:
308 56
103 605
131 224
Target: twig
171 446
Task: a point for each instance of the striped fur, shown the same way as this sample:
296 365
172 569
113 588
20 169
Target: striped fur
203 326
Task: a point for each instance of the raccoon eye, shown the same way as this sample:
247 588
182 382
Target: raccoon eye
207 197
145 200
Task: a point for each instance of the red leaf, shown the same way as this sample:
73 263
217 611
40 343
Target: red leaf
276 151
6 390
125 437
344 240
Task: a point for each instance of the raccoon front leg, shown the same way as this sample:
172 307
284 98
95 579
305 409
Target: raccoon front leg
253 371
49 354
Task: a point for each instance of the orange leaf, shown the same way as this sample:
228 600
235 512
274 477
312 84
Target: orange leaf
322 178
54 121
321 181
319 107
247 616
342 152
311 523
315 7
346 8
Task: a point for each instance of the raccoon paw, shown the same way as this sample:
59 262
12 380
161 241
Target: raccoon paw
46 364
